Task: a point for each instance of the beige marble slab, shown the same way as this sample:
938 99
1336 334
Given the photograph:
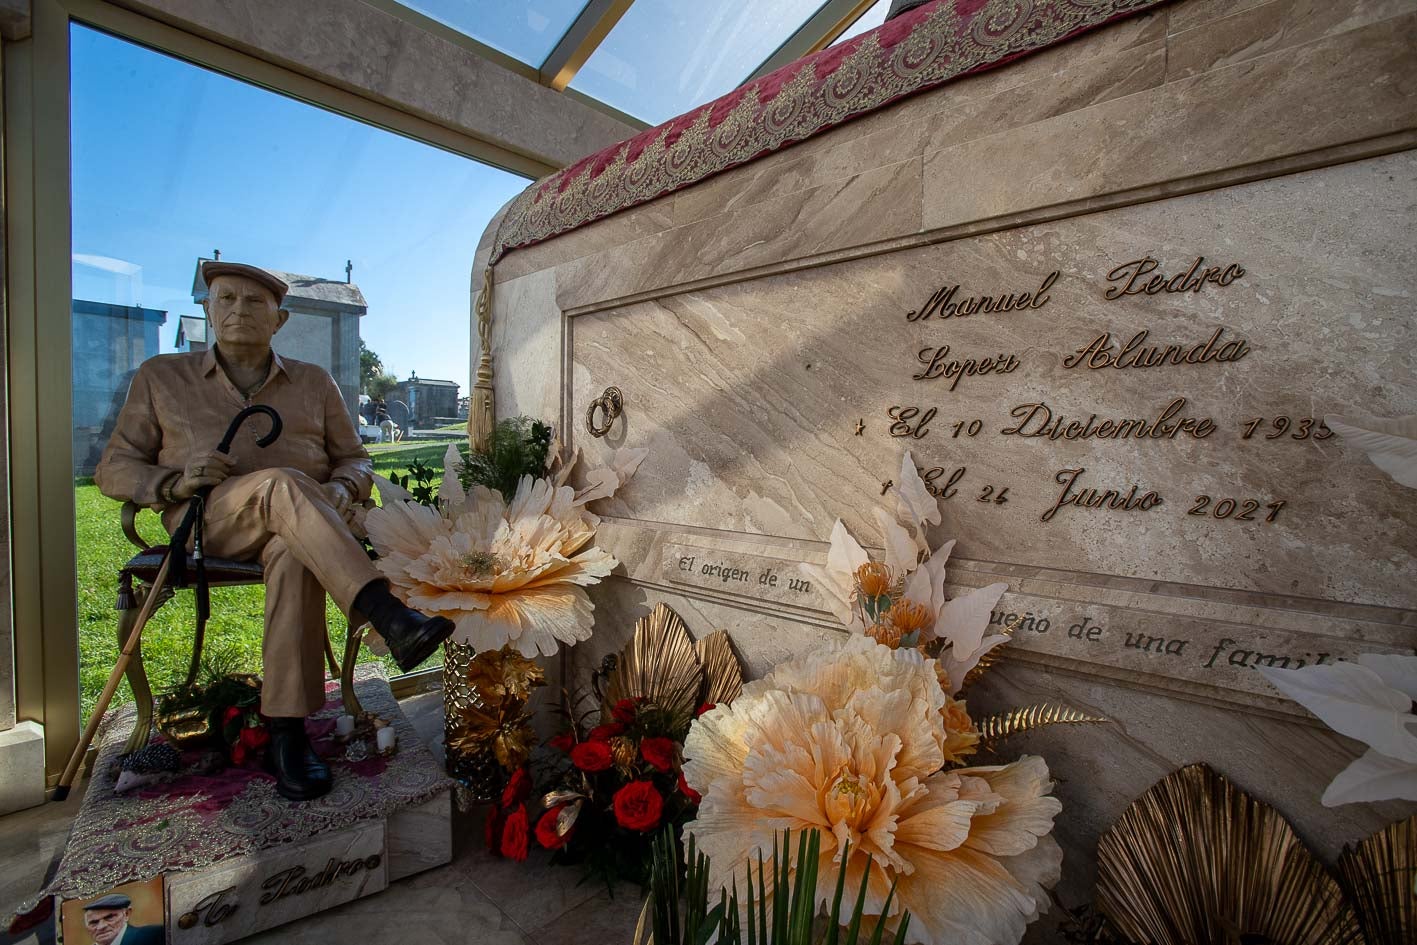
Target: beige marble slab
1270 27
1287 102
528 348
1197 643
748 394
276 886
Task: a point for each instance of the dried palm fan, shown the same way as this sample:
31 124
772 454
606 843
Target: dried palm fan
1379 876
662 665
1196 860
723 677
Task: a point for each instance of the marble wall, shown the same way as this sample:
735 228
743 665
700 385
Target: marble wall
753 320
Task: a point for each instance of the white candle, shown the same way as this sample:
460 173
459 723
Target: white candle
344 726
386 738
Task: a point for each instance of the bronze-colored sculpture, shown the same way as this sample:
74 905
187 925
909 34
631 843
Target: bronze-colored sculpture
287 506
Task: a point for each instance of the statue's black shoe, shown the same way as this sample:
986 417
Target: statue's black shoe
300 774
412 637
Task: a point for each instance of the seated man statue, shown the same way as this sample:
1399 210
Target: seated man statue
287 506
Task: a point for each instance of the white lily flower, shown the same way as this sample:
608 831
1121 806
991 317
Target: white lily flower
1369 699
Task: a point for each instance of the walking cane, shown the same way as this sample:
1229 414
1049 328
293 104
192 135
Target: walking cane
191 526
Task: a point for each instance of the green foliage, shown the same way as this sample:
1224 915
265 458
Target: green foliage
380 386
518 447
370 367
421 481
678 913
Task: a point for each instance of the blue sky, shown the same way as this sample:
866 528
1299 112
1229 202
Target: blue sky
171 161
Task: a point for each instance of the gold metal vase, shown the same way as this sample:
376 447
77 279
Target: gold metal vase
487 730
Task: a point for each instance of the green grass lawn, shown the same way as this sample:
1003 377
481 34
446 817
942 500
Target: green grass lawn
234 632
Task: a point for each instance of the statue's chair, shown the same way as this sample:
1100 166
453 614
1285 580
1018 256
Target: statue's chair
135 584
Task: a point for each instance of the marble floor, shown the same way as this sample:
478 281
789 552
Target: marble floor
474 900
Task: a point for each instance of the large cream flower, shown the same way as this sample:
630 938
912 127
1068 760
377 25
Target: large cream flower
504 572
851 742
909 561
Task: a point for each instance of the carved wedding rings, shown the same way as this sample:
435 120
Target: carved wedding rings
610 404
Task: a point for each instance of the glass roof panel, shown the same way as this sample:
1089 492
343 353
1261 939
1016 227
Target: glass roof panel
869 20
666 57
523 29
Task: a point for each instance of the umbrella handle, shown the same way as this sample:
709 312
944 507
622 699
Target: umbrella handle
242 417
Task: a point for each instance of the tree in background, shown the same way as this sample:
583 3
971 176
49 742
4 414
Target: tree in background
370 367
380 385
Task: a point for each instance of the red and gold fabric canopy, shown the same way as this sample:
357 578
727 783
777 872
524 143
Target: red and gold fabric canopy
925 48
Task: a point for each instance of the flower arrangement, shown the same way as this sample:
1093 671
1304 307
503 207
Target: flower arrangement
221 712
865 740
901 600
507 570
614 784
616 775
492 729
853 741
504 550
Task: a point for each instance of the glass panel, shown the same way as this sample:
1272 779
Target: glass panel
523 29
171 163
666 57
869 20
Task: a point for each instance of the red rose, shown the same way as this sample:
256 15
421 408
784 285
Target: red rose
546 830
254 737
706 707
638 806
514 835
658 752
603 733
689 792
591 756
625 709
229 715
517 788
562 742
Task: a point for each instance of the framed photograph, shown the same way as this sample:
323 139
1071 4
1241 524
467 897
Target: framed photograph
130 914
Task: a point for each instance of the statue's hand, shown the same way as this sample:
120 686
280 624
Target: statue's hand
341 496
206 469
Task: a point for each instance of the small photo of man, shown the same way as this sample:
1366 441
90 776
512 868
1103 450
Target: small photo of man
130 915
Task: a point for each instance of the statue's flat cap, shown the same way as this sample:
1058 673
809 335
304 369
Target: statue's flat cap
111 901
213 268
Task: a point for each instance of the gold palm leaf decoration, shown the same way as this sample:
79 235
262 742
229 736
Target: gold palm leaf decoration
1380 877
999 726
723 677
662 665
1195 859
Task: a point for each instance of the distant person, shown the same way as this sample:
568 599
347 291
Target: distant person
388 430
107 918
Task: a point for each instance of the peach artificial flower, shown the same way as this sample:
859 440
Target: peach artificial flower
961 734
850 741
962 622
887 634
873 579
503 571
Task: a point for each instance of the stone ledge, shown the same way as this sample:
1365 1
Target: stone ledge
21 767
